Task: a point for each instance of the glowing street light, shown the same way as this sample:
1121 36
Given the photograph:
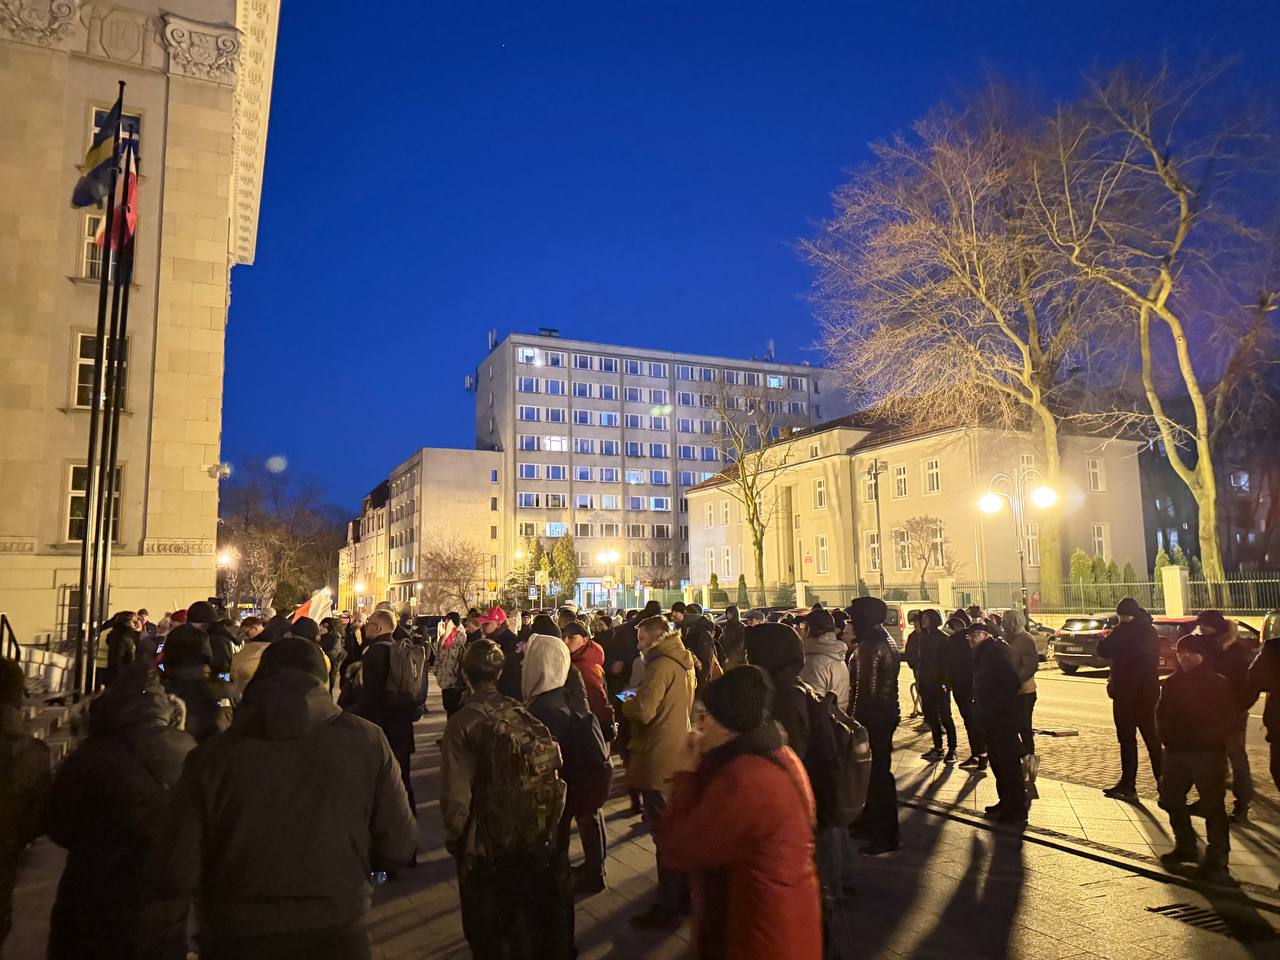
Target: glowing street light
226 559
360 588
1024 485
1044 497
519 554
990 502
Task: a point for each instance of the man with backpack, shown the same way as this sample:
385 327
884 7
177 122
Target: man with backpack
502 801
385 692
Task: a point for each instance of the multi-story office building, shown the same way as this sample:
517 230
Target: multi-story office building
603 442
196 104
854 502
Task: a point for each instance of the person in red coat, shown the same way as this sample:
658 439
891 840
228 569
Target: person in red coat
754 884
587 657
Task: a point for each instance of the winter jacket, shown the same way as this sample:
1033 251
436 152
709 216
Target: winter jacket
1231 662
24 792
588 660
732 639
875 664
911 652
1264 677
620 653
754 887
1022 648
700 638
449 660
370 701
1195 710
825 667
122 650
107 808
1134 651
278 822
245 662
587 772
509 682
931 668
995 687
659 715
224 645
208 701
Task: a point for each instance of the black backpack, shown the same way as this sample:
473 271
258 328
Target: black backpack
853 747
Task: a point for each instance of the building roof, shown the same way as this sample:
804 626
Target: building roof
550 340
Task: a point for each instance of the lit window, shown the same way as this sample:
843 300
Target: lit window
555 444
635 476
526 355
75 511
86 344
775 381
1239 481
556 528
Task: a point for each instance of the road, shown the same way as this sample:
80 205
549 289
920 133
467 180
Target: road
1080 703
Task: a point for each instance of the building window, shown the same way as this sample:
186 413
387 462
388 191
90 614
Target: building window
635 476
527 471
555 444
527 384
710 516
1097 476
610 501
775 381
733 377
725 508
1101 536
86 344
659 396
528 413
493 533
868 490
526 355
525 499
820 493
92 252
824 555
709 453
555 359
584 501
635 448
1033 542
632 395
493 476
937 544
685 478
1239 481
556 501
527 441
555 388
634 503
899 481
609 419
608 391
686 451
711 562
1027 461
635 531
583 473
557 471
610 529
609 448
659 423
526 529
797 383
797 407
662 531
608 364
932 476
634 421
556 415
901 549
706 374
684 372
813 451
584 445
581 390
493 503
609 474
658 370
684 425
582 418
77 501
660 478
556 528
581 361
725 562
685 399
751 378
659 451
582 530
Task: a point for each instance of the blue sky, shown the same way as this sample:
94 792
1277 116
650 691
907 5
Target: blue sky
632 172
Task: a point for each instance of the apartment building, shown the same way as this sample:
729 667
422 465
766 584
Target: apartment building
604 442
825 529
364 563
196 108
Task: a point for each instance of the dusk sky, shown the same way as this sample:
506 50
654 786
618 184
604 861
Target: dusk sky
635 173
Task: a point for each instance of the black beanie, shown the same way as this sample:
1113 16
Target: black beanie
740 700
293 653
819 622
306 628
185 645
1129 607
774 646
651 609
867 612
201 612
678 607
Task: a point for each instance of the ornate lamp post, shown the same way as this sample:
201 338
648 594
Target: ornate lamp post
1026 484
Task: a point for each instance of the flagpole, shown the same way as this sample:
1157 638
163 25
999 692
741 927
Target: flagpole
115 383
87 546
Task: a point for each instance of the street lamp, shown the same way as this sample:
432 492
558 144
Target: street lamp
226 559
876 468
607 558
1026 484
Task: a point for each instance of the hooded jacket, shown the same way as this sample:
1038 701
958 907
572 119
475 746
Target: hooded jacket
588 660
1230 658
876 663
732 639
931 652
237 839
1134 651
1195 710
1022 648
700 638
659 715
754 887
825 668
546 666
995 687
107 808
1264 677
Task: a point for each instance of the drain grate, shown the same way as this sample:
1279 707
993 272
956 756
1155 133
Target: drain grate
1213 922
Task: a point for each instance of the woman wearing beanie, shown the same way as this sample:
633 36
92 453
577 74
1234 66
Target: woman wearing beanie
755 890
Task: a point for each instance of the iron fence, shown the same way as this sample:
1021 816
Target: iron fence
1240 593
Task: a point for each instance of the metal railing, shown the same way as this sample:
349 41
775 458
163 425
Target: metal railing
9 646
1240 593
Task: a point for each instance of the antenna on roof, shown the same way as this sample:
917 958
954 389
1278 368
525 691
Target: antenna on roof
768 349
493 338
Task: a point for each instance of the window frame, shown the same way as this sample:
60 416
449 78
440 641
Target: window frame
71 493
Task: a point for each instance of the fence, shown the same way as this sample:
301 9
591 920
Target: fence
1239 593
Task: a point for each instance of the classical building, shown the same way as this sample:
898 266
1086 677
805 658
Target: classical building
604 442
364 563
850 501
198 75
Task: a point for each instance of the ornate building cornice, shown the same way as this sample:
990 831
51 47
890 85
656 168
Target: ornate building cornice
257 22
203 51
43 22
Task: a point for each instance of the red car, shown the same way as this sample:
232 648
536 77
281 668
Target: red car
1169 629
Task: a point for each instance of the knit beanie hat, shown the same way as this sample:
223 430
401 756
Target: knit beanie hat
1193 642
201 612
543 624
185 645
12 683
293 653
306 628
774 646
1214 621
819 621
740 700
651 609
1129 607
693 610
867 612
678 607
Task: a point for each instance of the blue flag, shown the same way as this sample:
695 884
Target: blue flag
95 181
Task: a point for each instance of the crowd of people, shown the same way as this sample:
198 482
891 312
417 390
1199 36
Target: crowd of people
241 788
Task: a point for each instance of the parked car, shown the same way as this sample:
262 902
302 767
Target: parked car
1042 635
1075 644
1169 629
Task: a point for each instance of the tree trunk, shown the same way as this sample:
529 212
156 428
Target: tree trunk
757 544
1050 520
1207 499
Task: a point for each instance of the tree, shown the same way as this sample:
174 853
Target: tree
284 538
932 263
520 577
743 599
1136 197
564 567
452 570
1129 575
1162 561
927 542
1081 567
754 437
1178 557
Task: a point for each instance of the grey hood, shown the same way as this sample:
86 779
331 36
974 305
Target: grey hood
826 645
1014 621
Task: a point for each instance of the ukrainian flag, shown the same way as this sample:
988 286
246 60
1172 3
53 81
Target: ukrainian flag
95 181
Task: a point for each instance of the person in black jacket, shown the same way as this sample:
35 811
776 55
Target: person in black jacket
209 701
1229 657
1134 686
700 640
122 645
223 642
875 665
371 700
24 785
495 627
957 668
778 650
1196 717
107 809
1264 677
931 673
998 712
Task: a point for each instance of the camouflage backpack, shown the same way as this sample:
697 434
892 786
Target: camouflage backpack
521 795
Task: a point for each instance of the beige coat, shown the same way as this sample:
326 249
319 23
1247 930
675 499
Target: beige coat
659 715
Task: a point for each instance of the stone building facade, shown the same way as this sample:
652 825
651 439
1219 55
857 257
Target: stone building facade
198 79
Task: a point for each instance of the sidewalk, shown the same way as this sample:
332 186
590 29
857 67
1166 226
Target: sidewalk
1080 813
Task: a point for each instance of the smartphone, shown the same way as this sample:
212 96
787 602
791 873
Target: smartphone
626 695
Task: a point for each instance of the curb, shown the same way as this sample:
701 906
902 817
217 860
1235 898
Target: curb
1261 898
